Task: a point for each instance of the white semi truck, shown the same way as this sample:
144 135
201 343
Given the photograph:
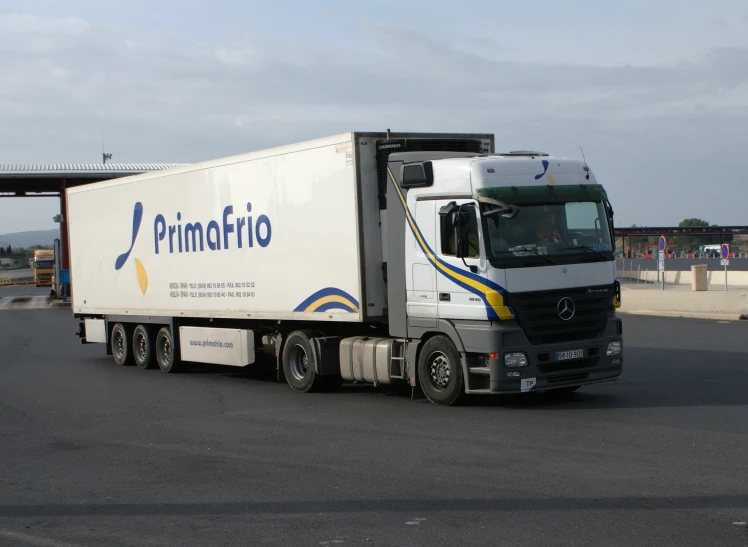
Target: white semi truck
422 259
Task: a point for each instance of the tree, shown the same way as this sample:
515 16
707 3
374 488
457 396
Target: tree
2 251
693 222
10 250
694 241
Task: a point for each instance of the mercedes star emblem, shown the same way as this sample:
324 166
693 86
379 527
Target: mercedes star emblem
565 308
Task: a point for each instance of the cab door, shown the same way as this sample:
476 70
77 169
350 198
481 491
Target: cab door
421 277
460 283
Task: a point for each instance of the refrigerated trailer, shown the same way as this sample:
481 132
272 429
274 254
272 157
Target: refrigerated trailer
428 260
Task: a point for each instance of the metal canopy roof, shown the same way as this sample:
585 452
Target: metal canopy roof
81 168
20 180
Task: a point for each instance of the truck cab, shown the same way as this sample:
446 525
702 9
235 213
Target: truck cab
511 257
44 267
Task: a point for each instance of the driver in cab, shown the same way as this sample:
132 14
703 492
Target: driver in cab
547 231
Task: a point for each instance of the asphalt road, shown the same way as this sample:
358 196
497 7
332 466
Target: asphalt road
22 290
96 454
681 264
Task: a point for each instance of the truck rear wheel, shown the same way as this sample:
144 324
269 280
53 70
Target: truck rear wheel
168 360
142 347
440 371
120 345
299 364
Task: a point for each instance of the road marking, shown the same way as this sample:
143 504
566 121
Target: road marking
34 540
740 523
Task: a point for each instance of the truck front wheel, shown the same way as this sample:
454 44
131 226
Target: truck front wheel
440 371
120 343
168 360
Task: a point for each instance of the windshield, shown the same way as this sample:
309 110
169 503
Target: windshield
45 265
557 232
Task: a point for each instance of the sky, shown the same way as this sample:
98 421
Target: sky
656 92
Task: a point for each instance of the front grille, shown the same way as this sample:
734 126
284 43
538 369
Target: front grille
537 314
565 366
387 147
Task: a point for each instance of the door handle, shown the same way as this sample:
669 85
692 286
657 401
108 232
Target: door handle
445 297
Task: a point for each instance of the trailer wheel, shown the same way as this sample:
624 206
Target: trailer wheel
168 360
299 364
120 345
142 347
440 371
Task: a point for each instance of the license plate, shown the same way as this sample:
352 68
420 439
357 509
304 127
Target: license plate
571 354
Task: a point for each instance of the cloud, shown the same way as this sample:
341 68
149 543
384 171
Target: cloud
114 72
159 97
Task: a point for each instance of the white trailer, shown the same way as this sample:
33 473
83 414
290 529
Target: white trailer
371 257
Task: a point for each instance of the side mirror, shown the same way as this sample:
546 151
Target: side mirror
499 208
448 209
511 213
461 235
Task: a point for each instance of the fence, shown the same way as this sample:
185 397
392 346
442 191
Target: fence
634 272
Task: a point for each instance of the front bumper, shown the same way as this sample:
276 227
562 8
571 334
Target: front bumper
543 372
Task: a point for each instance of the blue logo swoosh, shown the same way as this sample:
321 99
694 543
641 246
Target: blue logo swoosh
137 217
545 169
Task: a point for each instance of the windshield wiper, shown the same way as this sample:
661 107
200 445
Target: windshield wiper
586 248
527 250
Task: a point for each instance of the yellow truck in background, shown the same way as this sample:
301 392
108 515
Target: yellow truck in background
44 267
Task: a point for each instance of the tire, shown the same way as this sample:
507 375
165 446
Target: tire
299 364
440 372
142 347
120 345
168 361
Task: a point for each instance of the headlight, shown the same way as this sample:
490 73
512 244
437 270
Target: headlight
614 348
515 360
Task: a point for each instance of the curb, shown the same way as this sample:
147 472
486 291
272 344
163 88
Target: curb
17 283
687 314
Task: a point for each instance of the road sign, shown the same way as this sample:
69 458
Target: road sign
663 243
725 253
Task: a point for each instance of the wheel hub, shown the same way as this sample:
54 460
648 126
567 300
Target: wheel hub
439 371
299 362
141 346
119 343
167 350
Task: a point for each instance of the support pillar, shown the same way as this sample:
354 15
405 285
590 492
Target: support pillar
64 242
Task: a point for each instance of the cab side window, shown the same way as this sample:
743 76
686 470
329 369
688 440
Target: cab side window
448 235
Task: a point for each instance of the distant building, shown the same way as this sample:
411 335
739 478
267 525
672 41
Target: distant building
10 261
